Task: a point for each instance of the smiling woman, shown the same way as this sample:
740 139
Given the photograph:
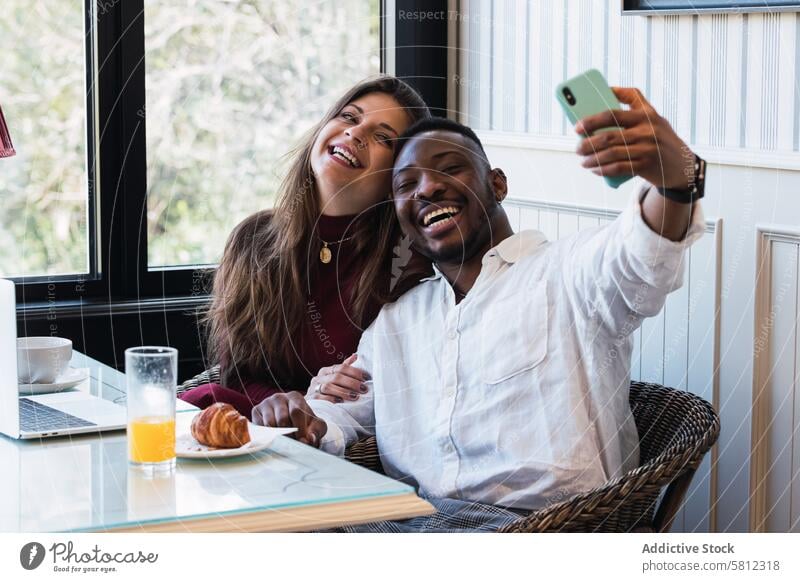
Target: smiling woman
297 285
353 154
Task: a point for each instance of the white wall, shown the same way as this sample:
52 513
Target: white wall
729 85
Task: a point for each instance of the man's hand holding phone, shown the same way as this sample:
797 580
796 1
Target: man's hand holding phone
641 142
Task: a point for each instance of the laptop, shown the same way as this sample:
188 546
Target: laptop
44 415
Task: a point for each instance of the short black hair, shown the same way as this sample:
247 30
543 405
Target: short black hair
438 124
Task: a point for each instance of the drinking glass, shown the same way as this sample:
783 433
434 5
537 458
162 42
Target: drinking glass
151 374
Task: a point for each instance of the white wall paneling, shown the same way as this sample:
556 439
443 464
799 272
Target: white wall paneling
776 418
702 318
727 82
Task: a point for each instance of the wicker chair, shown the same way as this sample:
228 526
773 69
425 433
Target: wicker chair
209 376
676 429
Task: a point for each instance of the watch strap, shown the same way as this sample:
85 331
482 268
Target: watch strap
696 189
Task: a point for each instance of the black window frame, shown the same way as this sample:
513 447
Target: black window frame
117 161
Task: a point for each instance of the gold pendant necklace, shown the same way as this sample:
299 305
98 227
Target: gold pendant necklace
325 254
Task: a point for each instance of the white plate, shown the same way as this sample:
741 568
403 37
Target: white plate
69 379
261 438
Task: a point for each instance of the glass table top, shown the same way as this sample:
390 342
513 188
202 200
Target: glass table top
84 482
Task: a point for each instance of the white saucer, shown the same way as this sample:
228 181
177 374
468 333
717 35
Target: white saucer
69 379
261 438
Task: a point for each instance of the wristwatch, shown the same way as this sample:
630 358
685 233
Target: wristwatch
696 189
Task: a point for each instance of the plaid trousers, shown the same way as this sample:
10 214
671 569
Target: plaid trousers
452 516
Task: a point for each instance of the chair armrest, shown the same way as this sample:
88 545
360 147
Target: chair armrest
210 376
365 453
624 504
679 428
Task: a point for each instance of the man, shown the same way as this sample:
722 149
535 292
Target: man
500 384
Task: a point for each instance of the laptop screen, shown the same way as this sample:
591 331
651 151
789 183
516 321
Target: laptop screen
9 387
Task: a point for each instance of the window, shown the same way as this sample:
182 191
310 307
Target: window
44 223
230 88
147 129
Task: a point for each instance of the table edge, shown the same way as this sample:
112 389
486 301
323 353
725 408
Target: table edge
294 519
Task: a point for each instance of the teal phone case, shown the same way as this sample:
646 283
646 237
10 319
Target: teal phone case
592 95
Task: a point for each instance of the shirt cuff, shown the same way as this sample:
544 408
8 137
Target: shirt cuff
648 245
333 441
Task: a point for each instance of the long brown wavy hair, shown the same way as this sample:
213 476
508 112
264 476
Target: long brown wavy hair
261 286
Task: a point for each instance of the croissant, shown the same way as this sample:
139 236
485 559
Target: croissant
220 426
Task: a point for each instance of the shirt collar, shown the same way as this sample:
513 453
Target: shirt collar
516 247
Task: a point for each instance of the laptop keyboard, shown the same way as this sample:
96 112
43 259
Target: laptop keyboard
36 417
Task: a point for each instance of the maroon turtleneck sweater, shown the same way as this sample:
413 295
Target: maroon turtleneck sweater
330 333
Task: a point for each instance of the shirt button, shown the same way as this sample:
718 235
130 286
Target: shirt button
452 334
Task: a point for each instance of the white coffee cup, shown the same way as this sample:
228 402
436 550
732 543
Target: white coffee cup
40 360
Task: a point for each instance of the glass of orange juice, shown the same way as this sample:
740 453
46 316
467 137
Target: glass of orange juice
151 374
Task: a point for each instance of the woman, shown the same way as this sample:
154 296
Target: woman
297 285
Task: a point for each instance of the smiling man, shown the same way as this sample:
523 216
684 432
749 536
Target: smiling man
500 384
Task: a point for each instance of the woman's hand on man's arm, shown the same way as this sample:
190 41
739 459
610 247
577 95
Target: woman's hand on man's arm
340 382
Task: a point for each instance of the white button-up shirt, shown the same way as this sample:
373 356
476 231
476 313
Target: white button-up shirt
517 395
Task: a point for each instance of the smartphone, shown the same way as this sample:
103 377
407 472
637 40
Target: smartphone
587 94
